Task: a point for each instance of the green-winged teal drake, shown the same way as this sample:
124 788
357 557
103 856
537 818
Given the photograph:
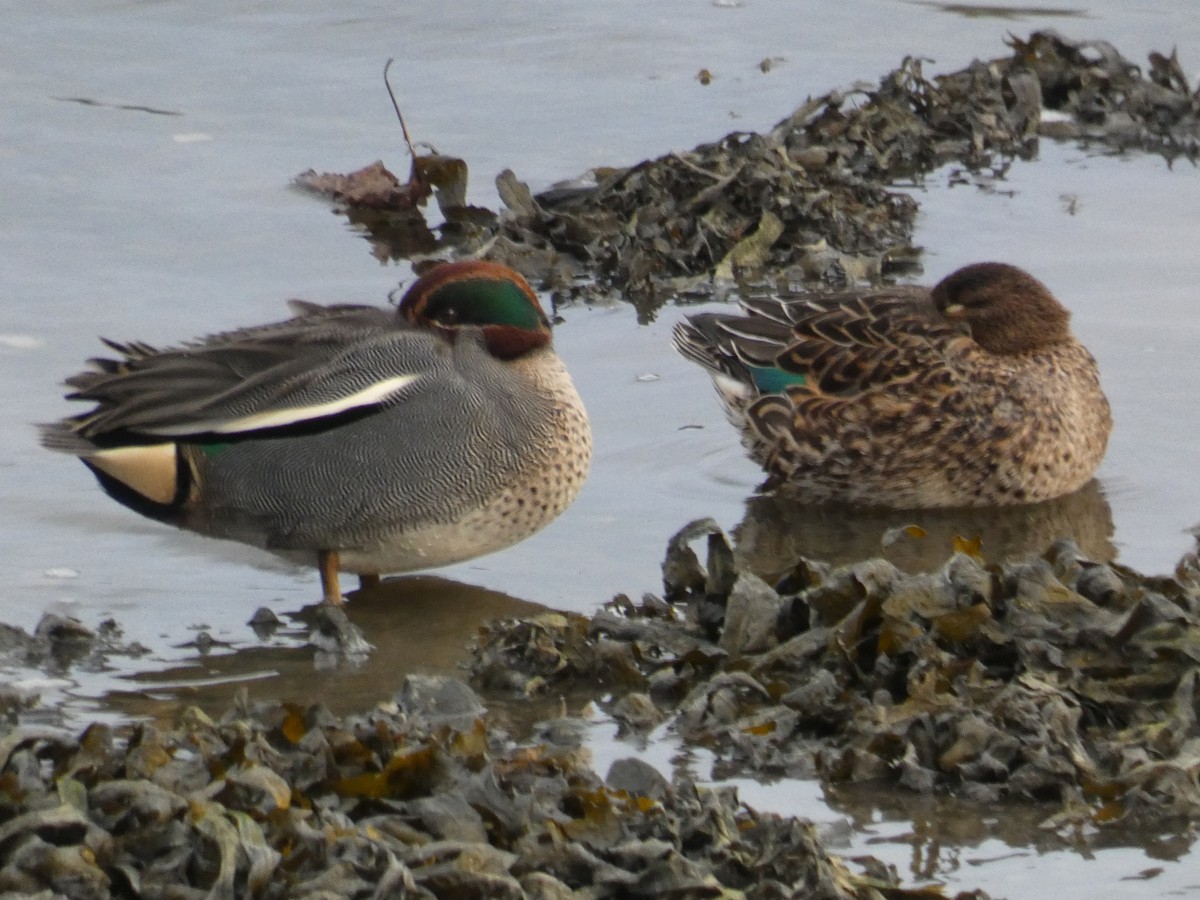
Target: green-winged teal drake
361 439
972 393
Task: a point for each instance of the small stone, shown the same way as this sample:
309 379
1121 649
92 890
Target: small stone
63 630
750 616
334 633
637 777
564 733
540 886
1100 584
636 711
449 817
264 622
438 698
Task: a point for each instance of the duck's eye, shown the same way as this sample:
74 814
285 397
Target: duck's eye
448 315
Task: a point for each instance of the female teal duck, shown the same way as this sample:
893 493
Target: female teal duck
362 439
974 393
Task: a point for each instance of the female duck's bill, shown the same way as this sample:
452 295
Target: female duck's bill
361 439
972 393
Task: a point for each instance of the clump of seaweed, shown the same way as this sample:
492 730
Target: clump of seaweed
421 797
1050 678
812 200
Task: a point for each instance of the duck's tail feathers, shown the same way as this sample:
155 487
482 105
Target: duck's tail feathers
61 437
697 338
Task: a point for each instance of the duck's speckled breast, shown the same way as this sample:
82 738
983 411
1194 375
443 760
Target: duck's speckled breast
540 487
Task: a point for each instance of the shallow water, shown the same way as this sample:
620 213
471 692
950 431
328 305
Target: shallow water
1007 850
147 158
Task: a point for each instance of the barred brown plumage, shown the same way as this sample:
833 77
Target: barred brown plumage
972 393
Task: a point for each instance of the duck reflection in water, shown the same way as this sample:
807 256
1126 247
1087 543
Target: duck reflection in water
778 528
417 624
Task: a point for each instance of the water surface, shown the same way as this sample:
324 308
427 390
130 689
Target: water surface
147 157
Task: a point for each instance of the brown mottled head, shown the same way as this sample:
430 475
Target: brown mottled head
484 295
1008 311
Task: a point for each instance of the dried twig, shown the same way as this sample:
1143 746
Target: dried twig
396 106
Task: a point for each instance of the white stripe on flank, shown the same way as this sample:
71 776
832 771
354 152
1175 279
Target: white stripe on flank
275 418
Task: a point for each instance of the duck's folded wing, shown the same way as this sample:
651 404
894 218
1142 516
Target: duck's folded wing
847 344
830 344
326 363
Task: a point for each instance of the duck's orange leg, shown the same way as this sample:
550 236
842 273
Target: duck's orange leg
327 563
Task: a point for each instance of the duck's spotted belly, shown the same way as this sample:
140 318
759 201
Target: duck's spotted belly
509 519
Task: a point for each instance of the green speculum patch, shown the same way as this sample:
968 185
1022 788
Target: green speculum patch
773 380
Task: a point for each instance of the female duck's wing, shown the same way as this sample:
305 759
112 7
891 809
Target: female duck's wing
836 345
324 363
847 344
